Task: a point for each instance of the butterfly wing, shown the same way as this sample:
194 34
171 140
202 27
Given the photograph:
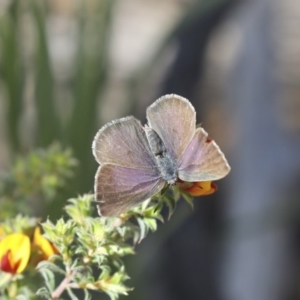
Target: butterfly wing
123 142
120 188
202 160
127 174
174 120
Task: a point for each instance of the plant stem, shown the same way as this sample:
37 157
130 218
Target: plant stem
63 285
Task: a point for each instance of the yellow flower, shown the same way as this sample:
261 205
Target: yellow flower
44 247
14 253
200 188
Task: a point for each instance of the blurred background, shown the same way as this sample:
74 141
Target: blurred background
68 67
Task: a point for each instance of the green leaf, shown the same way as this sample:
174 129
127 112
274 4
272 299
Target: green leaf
12 72
143 229
188 198
49 279
89 82
48 265
48 128
87 295
43 292
151 223
171 204
71 294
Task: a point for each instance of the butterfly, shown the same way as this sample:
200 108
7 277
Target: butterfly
136 162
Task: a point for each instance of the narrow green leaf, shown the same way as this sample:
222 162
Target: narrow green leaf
188 198
71 294
48 127
12 72
87 295
48 265
91 71
43 292
49 279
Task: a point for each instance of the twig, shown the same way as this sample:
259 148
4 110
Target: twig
63 285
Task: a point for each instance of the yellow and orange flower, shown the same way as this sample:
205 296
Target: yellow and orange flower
14 253
16 250
200 188
44 247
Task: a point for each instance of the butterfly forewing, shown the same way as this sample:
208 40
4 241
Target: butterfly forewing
202 160
123 142
120 188
127 174
174 120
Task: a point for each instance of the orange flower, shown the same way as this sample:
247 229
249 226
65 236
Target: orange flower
200 188
14 253
44 247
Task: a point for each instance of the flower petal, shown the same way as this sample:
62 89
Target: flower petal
14 253
43 244
5 263
201 188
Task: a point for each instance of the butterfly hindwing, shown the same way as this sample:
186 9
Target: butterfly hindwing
202 160
120 188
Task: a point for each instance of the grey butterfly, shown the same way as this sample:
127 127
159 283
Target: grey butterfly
136 162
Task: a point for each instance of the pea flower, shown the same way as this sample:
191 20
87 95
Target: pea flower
200 188
14 253
44 247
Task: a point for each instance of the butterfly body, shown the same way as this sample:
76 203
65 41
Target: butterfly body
136 162
164 162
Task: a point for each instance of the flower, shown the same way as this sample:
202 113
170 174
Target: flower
44 247
14 253
199 188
